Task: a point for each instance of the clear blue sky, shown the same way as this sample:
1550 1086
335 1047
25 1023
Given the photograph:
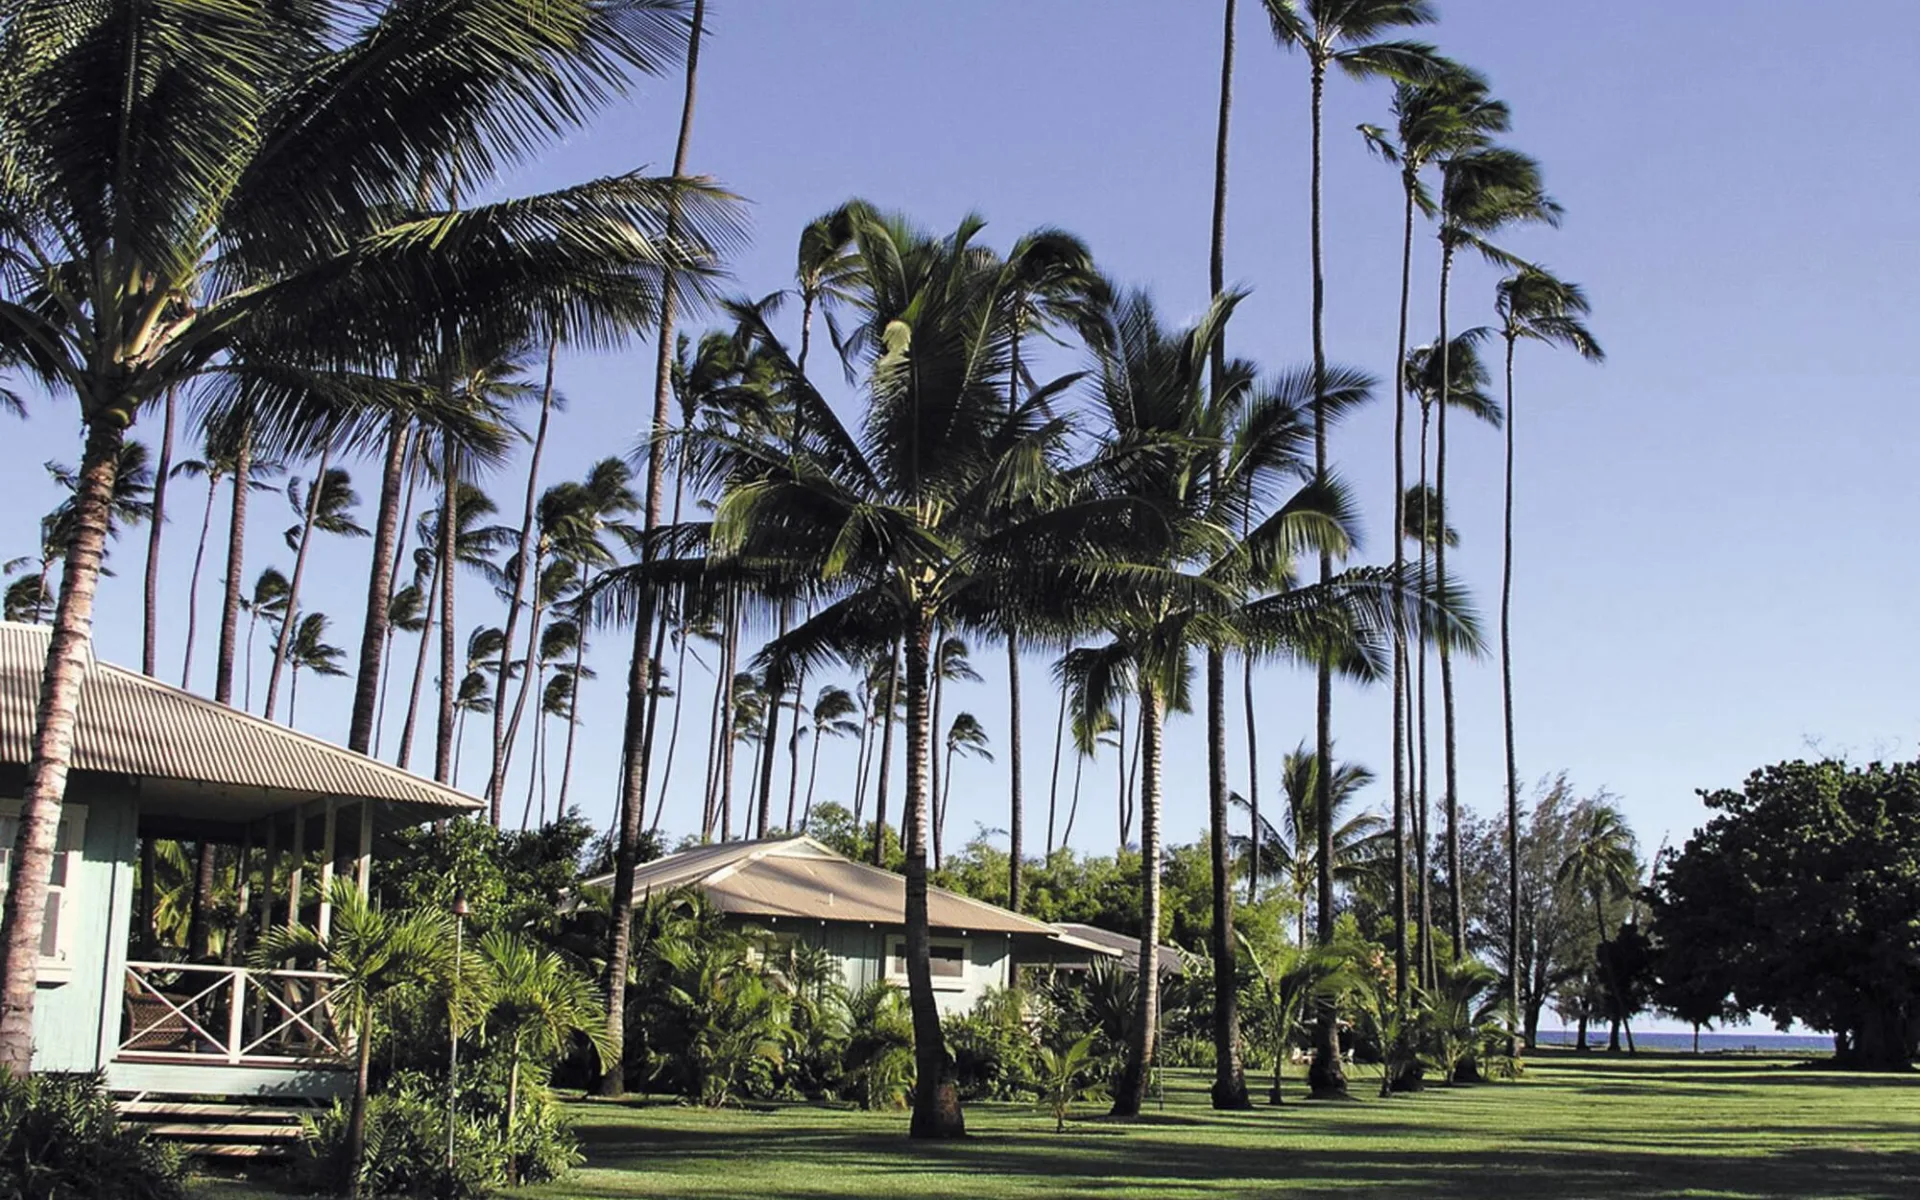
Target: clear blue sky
1709 574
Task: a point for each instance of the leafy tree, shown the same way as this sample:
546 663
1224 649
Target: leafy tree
1796 898
1604 864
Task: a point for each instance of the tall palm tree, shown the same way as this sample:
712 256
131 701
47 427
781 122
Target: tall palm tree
1482 191
267 599
216 463
1605 864
968 738
475 545
163 472
1533 305
309 649
406 613
1447 110
831 717
278 171
131 503
327 508
950 664
1343 34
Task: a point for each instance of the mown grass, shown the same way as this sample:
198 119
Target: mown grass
1587 1127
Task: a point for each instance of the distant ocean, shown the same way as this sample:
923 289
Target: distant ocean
1739 1041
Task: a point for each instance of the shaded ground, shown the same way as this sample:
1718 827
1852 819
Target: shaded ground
1588 1127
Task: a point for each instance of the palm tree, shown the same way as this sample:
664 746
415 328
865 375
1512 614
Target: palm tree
163 471
966 737
1442 113
268 599
1291 978
216 462
309 649
537 1004
1291 851
950 663
406 613
380 960
475 690
1603 863
1338 33
1482 190
474 547
275 237
831 716
1535 306
327 508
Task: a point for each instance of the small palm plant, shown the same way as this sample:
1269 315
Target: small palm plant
1290 980
537 1004
382 960
1063 1080
1461 1014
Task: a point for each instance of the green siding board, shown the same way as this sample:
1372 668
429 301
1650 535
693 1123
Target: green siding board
77 1013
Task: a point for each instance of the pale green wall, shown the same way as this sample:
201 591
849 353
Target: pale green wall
76 1019
860 952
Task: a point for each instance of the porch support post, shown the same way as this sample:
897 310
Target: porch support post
328 852
270 871
363 865
297 870
243 897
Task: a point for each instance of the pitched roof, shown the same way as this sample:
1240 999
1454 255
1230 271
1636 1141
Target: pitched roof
799 878
1173 960
209 761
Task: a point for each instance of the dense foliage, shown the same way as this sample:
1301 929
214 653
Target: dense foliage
60 1140
1800 900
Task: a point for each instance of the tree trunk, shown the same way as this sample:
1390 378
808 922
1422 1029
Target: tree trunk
150 625
284 644
679 702
236 565
936 1100
573 714
813 776
935 792
405 757
1401 797
357 1123
1506 658
1130 1093
886 766
531 679
369 677
443 751
770 741
1229 1075
69 647
1326 1078
1016 817
497 774
1053 790
193 584
728 716
393 585
1073 805
1253 784
634 774
1124 816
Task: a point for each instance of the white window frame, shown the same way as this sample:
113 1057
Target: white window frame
69 846
896 948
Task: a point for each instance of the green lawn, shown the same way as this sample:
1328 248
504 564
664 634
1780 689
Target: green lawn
1600 1127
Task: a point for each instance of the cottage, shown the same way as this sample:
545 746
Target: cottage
153 761
796 889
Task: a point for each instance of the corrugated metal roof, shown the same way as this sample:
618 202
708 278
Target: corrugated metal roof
801 879
130 724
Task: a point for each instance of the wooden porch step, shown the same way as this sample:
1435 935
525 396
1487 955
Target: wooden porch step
138 1109
251 1130
240 1150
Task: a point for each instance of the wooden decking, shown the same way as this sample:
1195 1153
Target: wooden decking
212 1129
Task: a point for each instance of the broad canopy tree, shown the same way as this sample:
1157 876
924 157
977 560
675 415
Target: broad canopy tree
235 192
1799 900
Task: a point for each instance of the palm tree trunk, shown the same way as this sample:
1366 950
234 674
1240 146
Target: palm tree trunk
1326 1077
293 692
443 751
405 757
370 676
502 735
1120 765
529 680
710 804
193 584
886 766
633 751
1073 806
69 647
936 1102
1016 821
726 745
150 625
1130 1093
285 642
253 622
793 742
1229 1079
770 742
1506 664
1253 785
679 706
937 683
1053 788
236 565
573 720
357 1123
393 585
1400 789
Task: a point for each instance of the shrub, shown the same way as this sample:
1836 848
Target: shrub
60 1138
879 1046
993 1051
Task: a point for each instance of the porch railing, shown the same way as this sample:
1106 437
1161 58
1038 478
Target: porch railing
233 1015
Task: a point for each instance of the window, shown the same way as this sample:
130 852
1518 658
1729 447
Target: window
56 931
949 959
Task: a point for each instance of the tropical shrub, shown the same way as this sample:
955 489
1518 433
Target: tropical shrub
994 1053
729 1023
1064 1079
406 1148
879 1059
60 1138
